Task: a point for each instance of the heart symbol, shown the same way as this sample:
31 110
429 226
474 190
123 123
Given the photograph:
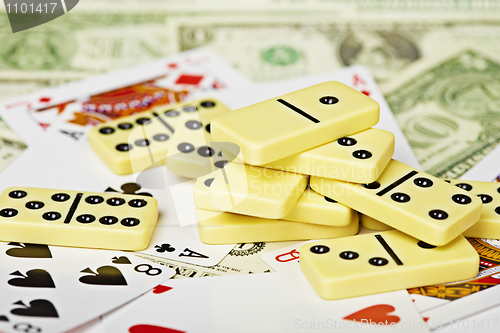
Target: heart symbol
376 314
143 328
44 99
160 289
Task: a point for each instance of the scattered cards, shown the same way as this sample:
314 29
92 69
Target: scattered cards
53 289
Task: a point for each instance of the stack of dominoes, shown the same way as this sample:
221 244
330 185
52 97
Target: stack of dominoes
308 169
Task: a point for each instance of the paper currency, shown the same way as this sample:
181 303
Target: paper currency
10 145
284 46
76 45
448 106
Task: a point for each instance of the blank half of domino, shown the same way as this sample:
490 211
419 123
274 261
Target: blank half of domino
80 219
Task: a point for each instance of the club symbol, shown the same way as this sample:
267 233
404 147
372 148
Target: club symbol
130 188
164 248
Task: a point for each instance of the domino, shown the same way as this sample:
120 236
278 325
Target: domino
311 207
318 209
133 143
381 262
295 122
372 224
229 228
358 158
411 201
78 219
193 153
251 190
488 225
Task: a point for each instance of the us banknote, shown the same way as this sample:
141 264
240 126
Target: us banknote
284 46
448 106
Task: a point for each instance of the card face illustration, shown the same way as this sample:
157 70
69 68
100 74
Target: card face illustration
288 291
54 289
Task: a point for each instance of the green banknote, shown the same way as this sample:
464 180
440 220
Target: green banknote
448 106
286 45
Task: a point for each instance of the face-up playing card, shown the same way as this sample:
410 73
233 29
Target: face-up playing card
446 303
357 77
53 289
77 106
272 302
284 259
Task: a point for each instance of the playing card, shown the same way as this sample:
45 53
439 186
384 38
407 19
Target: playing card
485 322
284 259
269 302
77 106
357 77
53 289
465 298
452 301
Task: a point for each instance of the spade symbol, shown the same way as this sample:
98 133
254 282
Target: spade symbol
37 308
4 318
121 260
37 278
164 248
130 188
28 250
106 275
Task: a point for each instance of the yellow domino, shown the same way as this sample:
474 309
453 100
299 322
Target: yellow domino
311 207
318 209
372 224
133 143
488 225
228 228
358 158
79 219
192 152
295 122
409 200
251 190
381 262
201 191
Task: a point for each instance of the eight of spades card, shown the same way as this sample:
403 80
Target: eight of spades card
268 302
53 289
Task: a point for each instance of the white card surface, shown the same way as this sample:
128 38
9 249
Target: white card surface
268 302
53 289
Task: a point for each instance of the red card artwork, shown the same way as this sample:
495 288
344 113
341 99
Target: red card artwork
376 314
189 79
144 328
160 289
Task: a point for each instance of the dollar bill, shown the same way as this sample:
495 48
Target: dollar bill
448 106
11 145
242 259
285 46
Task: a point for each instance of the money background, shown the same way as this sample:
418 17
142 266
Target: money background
447 103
